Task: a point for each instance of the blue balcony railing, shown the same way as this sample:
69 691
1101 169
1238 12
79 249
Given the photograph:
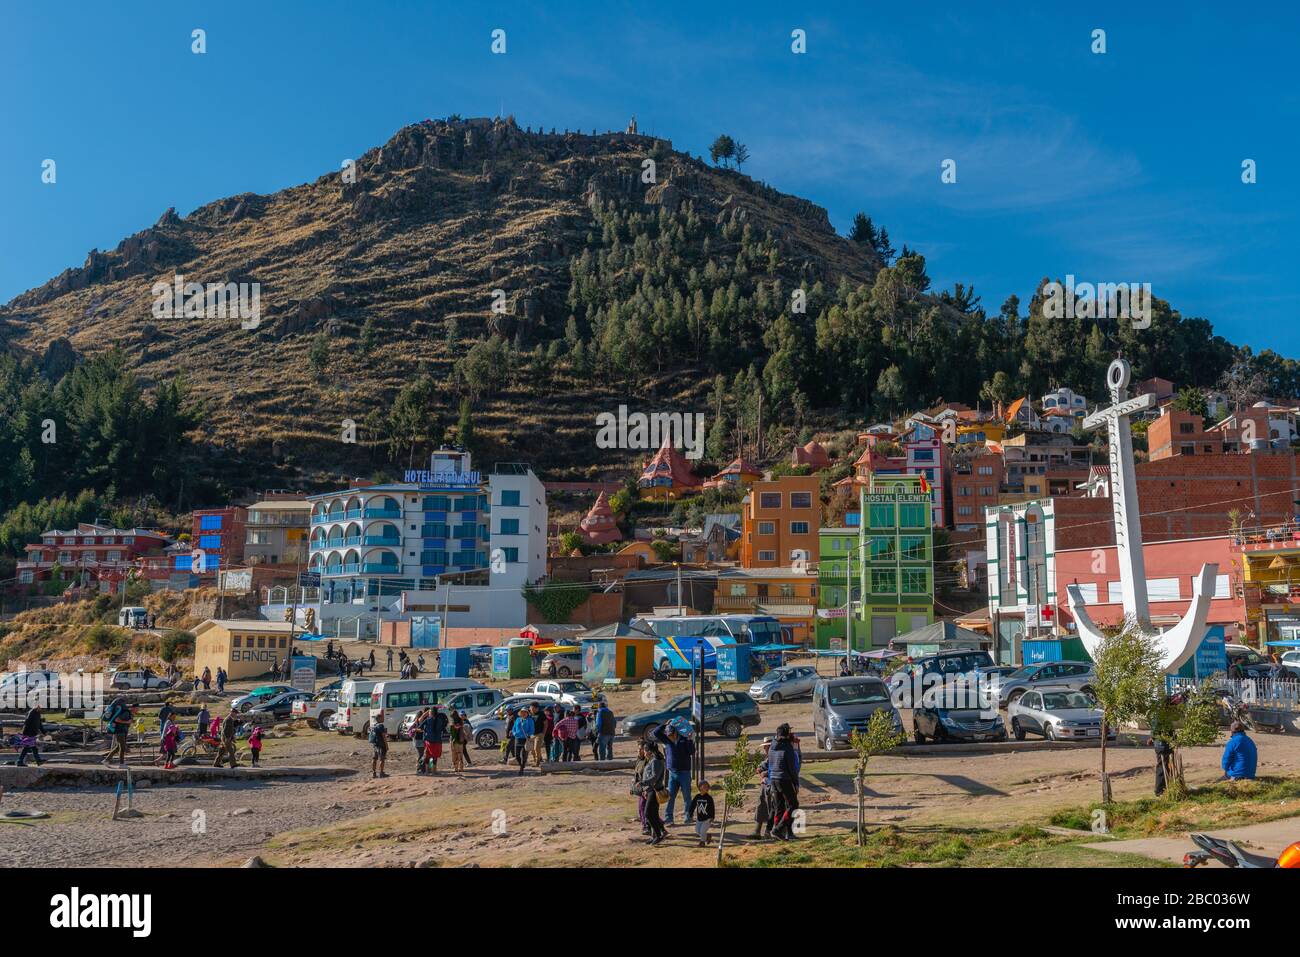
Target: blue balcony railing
383 540
383 513
378 568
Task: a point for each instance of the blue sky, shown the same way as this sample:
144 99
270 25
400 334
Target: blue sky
1120 167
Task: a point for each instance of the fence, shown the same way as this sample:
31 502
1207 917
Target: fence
1265 693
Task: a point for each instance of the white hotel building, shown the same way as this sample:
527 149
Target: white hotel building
444 538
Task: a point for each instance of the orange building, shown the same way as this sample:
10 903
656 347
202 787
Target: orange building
779 522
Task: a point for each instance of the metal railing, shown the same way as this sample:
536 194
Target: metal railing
1269 693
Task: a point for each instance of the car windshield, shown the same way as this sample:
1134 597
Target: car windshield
859 692
1066 700
1024 672
778 674
568 687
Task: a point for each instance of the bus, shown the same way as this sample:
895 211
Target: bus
354 707
391 701
678 637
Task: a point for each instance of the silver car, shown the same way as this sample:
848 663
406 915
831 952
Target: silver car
1075 675
1058 714
844 705
487 730
788 681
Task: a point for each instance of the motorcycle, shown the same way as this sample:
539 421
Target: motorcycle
1229 854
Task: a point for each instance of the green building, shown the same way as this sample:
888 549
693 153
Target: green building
838 567
897 544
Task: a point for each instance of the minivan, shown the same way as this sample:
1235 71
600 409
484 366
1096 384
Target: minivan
354 707
391 701
844 705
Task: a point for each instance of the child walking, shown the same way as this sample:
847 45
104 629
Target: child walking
171 737
702 812
255 745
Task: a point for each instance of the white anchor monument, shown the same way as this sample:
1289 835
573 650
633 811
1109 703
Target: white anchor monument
1179 643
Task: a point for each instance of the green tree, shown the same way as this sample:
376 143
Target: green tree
879 736
722 149
743 766
412 420
369 337
319 353
1129 683
1190 720
1191 400
465 434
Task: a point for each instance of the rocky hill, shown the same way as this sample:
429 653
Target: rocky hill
437 218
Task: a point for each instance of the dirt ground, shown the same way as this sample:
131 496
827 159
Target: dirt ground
492 816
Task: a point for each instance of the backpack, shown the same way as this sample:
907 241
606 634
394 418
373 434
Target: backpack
375 733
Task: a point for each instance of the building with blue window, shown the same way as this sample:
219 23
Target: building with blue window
389 548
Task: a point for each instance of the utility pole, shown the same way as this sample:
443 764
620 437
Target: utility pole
678 566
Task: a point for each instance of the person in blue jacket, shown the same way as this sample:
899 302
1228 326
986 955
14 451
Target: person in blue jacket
679 753
1239 754
521 731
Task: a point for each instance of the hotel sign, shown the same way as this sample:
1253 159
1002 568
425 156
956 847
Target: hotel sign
425 477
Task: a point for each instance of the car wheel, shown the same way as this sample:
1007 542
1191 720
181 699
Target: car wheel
322 718
917 736
486 739
940 735
563 672
774 698
1014 697
1048 733
731 728
1018 731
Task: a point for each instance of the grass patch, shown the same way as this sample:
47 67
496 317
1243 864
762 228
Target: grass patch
1222 804
1023 846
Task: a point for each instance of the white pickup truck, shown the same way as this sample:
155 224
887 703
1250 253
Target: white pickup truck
566 691
316 711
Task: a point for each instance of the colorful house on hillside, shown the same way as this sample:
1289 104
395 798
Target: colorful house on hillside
813 455
779 522
739 474
896 548
599 527
667 476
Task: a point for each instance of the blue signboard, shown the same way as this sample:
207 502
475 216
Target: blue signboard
1211 654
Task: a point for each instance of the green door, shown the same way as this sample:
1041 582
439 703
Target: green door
629 661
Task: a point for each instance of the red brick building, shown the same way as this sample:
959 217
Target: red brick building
97 553
219 533
974 481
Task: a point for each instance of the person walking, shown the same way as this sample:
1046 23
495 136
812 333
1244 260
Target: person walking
378 749
459 743
171 737
1240 756
522 732
679 753
204 719
581 734
566 736
701 812
196 682
605 726
118 720
542 727
227 748
221 680
371 659
508 732
165 714
435 728
652 782
417 739
783 779
635 789
33 728
207 679
389 665
255 745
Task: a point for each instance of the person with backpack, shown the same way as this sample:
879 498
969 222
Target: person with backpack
379 749
605 725
417 739
255 745
783 779
118 720
227 748
459 742
222 678
207 679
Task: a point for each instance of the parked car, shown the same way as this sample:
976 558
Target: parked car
566 691
956 724
489 728
1291 662
141 680
561 664
935 670
281 705
787 681
316 711
255 697
844 705
1250 662
1056 714
1075 675
727 712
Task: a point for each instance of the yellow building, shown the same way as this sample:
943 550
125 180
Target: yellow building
1271 582
246 649
787 594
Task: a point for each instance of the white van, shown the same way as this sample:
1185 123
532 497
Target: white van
133 616
391 701
354 707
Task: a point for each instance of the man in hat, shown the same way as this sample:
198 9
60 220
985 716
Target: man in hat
783 778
